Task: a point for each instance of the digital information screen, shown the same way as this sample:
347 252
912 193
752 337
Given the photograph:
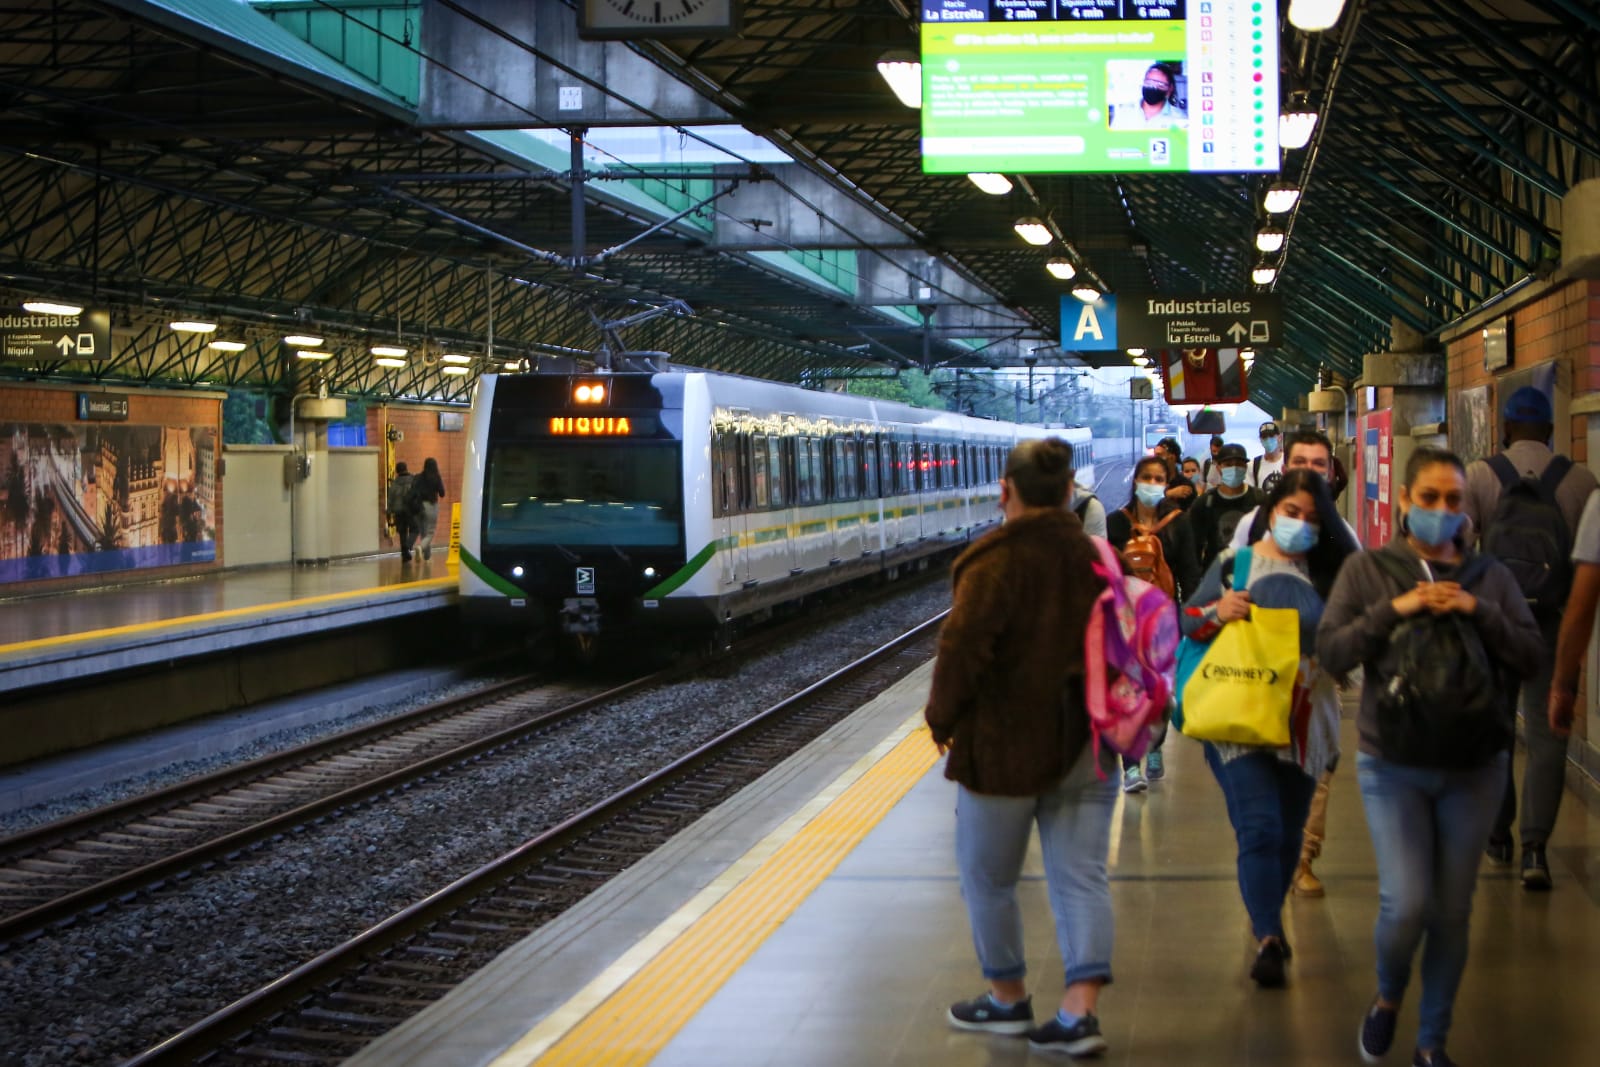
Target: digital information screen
1033 86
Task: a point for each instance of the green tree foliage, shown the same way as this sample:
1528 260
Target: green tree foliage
910 387
241 425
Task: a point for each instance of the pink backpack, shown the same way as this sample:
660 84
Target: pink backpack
1130 652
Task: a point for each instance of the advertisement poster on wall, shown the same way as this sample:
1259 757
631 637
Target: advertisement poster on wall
1374 461
89 499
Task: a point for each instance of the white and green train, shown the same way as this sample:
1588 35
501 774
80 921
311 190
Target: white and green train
623 503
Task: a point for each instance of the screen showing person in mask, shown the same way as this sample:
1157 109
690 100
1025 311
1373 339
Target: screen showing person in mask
1150 99
1099 86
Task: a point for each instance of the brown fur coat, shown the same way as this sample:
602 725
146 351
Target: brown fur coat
1012 642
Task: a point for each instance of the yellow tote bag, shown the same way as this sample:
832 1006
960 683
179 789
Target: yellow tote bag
1243 690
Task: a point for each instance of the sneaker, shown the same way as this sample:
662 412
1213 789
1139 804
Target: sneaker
1154 767
1535 871
1133 780
984 1014
1439 1059
1306 883
1082 1038
1377 1031
1267 971
1499 851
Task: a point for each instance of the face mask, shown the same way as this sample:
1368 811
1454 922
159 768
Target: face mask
1195 480
1155 94
1434 526
1150 495
1293 536
1269 443
1233 477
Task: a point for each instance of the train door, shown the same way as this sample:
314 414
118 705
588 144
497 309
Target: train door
848 529
732 454
871 495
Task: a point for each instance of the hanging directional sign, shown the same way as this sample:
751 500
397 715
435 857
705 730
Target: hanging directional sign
1089 327
45 338
1253 320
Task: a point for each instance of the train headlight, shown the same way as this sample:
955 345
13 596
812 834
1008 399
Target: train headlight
516 572
589 393
649 572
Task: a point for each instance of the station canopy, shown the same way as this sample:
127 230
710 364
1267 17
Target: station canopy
472 181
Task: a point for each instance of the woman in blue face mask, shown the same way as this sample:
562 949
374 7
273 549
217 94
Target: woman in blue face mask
1158 543
1430 794
1268 790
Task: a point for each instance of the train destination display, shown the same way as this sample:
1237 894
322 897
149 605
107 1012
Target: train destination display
1099 86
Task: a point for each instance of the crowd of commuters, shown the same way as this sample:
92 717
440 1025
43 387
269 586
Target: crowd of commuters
1462 596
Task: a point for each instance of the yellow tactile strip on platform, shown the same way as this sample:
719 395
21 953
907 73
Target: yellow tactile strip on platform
632 1010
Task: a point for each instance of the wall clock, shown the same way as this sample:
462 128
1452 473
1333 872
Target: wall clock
646 19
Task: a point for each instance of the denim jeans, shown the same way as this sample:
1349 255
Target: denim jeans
1074 820
1268 800
1429 828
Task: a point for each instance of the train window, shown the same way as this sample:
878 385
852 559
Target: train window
819 469
759 469
925 467
869 468
849 468
806 470
777 484
583 493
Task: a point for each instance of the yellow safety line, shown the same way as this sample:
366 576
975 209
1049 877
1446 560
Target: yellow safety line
213 616
631 1011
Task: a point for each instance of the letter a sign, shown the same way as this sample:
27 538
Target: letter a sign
1089 327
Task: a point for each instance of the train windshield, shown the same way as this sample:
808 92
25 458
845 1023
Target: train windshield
583 493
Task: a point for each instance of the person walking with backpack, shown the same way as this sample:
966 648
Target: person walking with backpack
429 490
1157 541
1439 632
1222 510
1525 505
398 502
1268 791
1007 704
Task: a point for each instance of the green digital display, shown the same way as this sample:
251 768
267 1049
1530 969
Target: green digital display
1099 86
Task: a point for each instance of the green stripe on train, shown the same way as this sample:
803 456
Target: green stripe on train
489 577
683 573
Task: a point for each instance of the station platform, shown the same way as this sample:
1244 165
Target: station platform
816 919
50 638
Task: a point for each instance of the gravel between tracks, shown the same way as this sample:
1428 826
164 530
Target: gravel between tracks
98 993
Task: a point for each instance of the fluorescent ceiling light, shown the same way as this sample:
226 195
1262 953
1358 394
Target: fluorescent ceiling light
1294 128
1032 230
455 370
48 307
1141 361
390 361
1264 275
1061 268
510 364
1136 352
393 351
192 326
227 346
903 72
307 353
1314 15
1281 198
1087 293
302 340
451 357
1270 240
993 184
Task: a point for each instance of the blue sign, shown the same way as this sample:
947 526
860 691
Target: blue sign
1089 327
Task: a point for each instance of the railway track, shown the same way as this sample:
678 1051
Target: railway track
332 1006
59 872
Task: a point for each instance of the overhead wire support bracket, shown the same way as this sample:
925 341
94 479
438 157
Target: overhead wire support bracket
664 223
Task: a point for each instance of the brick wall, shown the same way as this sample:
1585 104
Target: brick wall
423 438
43 404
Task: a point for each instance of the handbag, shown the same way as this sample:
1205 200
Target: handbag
1240 685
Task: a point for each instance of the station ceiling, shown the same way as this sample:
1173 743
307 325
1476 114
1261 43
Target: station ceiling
211 159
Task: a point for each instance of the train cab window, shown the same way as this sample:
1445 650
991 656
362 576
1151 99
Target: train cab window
583 492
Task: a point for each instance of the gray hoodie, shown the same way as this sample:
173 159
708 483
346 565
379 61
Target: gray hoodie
1360 617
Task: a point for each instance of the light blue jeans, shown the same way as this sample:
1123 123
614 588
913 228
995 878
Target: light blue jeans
1429 829
1074 820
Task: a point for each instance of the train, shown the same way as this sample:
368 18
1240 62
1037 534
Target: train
690 503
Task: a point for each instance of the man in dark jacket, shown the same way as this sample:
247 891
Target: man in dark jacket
401 513
1007 702
1220 511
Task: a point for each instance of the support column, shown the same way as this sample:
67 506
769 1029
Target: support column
312 535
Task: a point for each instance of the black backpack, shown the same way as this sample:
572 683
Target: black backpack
1529 535
1444 701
